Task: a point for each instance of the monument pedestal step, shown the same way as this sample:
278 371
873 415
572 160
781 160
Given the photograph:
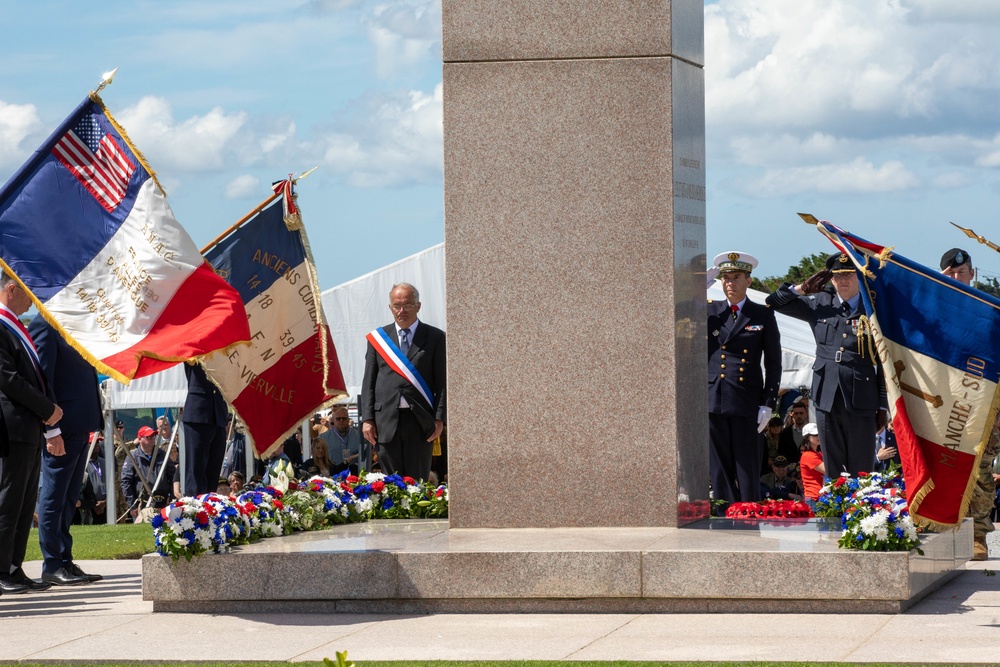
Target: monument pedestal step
394 566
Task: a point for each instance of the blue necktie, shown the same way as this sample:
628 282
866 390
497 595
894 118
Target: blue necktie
404 342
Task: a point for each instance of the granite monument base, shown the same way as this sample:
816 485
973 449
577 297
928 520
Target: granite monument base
423 566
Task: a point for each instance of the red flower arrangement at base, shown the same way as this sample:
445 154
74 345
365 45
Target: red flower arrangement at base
770 509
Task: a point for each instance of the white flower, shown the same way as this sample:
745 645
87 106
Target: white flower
187 523
177 530
871 524
373 477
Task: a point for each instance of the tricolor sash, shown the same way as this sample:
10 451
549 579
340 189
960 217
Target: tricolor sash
9 320
392 355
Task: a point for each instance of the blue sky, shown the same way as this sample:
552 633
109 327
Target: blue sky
879 115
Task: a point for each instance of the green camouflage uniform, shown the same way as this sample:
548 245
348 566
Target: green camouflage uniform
984 493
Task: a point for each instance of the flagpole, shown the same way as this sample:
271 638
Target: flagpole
972 235
260 207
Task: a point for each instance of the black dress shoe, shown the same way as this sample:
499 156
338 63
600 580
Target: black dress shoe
63 578
11 587
75 570
20 577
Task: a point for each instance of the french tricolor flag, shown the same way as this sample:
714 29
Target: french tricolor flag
85 227
937 340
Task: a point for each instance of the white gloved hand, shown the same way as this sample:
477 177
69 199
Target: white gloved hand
710 275
763 416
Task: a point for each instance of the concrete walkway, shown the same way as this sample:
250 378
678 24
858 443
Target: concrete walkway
959 623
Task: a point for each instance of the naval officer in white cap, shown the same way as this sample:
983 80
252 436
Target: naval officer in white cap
741 396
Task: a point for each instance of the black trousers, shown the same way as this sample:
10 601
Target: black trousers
19 473
205 449
734 457
408 453
847 439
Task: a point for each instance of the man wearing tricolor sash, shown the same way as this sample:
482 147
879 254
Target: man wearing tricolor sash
403 391
28 414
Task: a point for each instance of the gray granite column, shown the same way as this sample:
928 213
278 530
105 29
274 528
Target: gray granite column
574 163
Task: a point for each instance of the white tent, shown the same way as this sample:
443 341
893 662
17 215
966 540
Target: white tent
166 389
798 347
361 305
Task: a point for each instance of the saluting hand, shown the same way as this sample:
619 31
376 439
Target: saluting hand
815 282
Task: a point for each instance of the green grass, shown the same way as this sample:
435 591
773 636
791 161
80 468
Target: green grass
102 542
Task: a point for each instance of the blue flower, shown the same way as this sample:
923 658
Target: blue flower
860 538
387 504
157 521
900 533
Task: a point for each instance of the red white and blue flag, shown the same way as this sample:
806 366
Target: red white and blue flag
290 370
87 230
937 341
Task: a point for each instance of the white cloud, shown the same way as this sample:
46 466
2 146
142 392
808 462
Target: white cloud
822 91
200 143
404 33
859 175
398 142
242 187
798 63
17 123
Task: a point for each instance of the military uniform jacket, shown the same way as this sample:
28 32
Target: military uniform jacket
736 384
839 363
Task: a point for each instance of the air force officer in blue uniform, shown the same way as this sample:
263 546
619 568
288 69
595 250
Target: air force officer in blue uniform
741 396
848 387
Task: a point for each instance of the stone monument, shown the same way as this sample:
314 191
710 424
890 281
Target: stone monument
574 164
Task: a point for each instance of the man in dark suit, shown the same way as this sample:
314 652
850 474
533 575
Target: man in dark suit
400 419
848 384
27 407
205 415
740 396
74 383
790 439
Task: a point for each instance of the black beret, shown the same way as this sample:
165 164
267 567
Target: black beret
954 258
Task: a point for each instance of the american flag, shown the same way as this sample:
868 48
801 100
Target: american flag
94 158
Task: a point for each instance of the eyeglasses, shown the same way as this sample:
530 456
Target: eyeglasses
406 307
342 419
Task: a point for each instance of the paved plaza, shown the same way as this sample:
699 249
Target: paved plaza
109 621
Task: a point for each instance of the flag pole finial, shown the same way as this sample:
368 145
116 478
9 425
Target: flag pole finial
972 235
106 79
809 218
304 174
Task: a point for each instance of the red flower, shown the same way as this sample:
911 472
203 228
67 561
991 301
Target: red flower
345 487
278 504
352 479
440 492
378 486
409 480
211 510
840 481
202 518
